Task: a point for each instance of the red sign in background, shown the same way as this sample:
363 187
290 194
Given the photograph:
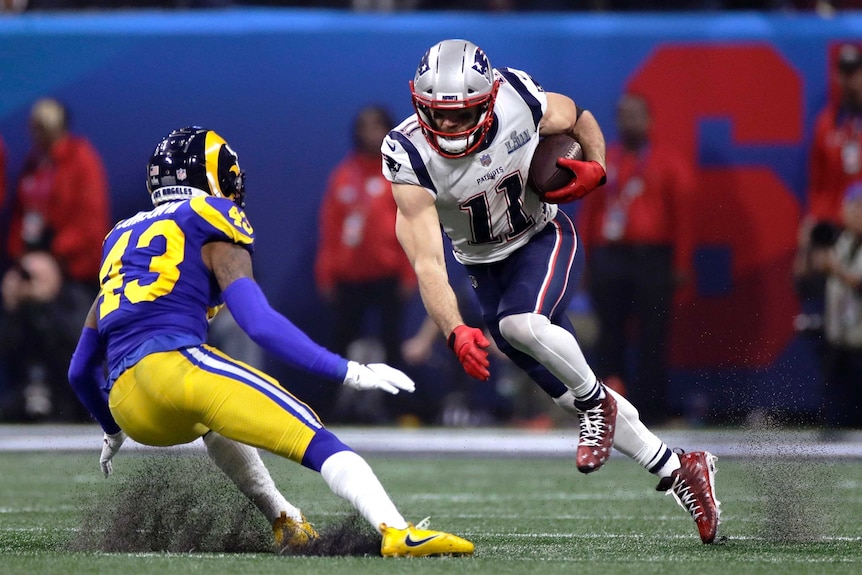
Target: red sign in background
746 216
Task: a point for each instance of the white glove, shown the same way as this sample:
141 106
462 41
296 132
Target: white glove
377 376
110 446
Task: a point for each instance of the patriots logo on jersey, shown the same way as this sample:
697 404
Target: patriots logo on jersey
392 165
538 86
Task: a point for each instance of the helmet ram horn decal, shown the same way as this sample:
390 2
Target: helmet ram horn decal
194 161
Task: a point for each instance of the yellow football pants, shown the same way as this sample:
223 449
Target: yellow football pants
174 397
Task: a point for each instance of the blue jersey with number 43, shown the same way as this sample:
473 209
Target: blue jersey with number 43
156 293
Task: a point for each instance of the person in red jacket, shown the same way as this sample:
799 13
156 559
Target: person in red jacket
360 269
639 244
60 214
836 152
835 163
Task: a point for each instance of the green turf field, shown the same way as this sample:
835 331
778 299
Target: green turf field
536 516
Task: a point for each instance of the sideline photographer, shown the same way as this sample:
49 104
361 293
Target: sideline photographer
836 256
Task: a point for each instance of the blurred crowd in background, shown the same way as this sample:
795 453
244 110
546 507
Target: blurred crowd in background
824 7
635 232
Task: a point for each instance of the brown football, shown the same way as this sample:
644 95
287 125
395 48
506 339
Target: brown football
545 175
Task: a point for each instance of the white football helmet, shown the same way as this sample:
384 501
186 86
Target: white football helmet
454 75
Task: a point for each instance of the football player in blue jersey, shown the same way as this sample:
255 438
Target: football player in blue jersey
163 273
461 163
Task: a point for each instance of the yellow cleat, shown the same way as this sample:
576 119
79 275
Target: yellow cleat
291 533
415 542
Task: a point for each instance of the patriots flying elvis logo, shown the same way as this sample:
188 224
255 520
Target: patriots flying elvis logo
423 64
392 165
480 62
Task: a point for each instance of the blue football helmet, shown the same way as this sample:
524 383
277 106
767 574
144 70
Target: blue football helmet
194 161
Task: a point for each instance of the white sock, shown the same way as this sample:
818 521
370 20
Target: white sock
671 465
634 439
243 465
351 478
553 347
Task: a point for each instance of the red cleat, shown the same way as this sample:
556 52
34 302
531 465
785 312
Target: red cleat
693 487
596 436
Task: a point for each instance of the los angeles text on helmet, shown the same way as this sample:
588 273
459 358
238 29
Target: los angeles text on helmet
172 193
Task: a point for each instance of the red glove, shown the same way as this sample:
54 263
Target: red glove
467 343
587 177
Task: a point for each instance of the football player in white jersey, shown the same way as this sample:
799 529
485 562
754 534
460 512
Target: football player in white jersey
460 163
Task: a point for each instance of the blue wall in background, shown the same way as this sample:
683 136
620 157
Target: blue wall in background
282 86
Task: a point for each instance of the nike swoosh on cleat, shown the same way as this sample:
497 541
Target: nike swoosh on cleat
411 543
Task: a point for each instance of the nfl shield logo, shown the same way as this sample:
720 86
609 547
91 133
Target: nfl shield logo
485 160
181 174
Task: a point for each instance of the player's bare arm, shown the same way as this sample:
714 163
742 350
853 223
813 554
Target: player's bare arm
229 262
561 116
418 229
